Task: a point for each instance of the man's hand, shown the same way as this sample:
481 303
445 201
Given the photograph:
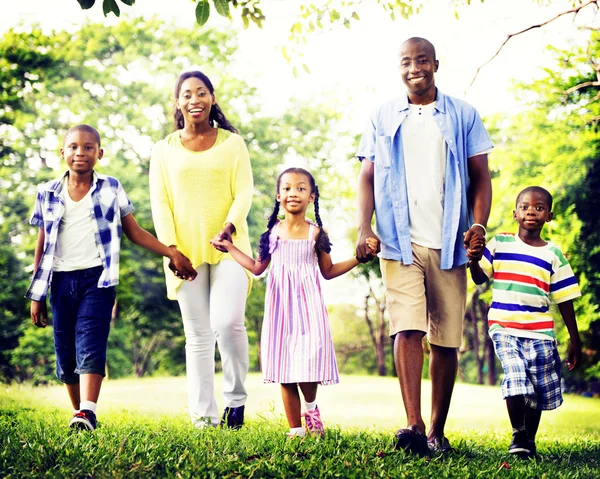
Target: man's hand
39 313
473 230
367 245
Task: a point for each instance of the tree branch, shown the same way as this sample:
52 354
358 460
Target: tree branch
574 10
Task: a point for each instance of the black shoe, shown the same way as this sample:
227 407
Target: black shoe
439 445
84 419
532 449
411 441
233 417
520 444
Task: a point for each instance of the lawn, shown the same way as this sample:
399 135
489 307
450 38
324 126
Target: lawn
145 432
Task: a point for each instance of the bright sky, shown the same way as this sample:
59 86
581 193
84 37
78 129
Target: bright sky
358 68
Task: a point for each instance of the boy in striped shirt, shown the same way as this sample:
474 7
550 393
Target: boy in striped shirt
528 274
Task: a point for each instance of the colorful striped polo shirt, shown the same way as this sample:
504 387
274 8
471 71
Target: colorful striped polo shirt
526 280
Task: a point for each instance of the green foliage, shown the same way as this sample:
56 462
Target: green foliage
34 358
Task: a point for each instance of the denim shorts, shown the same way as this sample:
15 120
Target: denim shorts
531 369
81 313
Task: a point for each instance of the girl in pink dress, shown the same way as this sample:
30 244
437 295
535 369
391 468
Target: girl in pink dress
296 343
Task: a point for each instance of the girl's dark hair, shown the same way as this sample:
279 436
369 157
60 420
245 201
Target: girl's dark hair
216 117
322 240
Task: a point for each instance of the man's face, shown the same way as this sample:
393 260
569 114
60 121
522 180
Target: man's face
417 67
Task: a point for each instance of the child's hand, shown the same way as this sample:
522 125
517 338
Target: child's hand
39 313
181 266
373 245
574 355
221 244
475 247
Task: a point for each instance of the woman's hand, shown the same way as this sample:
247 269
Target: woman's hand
226 234
181 265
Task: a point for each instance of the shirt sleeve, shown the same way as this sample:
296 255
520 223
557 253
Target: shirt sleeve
487 260
125 205
563 283
37 216
243 187
478 139
366 148
162 213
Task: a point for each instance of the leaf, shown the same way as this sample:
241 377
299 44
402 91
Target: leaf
295 71
110 6
202 12
355 16
305 67
222 7
85 4
128 2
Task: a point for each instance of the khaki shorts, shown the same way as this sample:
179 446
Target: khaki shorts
423 297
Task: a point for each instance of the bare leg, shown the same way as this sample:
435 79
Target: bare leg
532 421
291 404
74 396
309 391
516 411
408 358
90 386
443 365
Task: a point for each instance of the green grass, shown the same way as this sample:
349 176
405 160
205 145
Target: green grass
145 432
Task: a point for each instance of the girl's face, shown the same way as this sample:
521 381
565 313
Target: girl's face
195 101
294 192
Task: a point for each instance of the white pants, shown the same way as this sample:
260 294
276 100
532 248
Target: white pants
213 307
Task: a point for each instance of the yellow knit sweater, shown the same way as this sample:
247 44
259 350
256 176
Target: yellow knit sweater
193 194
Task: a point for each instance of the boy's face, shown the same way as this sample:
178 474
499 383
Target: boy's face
532 211
81 152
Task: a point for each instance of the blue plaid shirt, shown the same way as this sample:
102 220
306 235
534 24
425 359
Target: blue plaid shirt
110 204
381 143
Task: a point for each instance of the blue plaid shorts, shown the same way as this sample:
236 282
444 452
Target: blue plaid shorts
531 369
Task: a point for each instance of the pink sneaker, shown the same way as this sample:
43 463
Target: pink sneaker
313 423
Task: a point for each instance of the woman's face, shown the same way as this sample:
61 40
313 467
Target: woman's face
195 101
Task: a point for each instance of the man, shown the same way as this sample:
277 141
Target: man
427 178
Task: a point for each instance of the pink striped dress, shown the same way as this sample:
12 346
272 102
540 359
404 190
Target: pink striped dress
296 342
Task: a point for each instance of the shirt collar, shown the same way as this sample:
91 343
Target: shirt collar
57 185
440 102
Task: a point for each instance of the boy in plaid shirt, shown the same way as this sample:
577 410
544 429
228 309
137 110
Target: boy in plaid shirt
528 274
81 216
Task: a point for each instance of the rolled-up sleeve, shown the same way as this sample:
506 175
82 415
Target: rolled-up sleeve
366 148
478 139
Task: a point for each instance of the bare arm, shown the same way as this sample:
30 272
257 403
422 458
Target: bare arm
143 238
256 267
477 273
331 270
39 309
365 199
480 192
568 314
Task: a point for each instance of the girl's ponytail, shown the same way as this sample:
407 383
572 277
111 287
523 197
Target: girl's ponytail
263 246
322 242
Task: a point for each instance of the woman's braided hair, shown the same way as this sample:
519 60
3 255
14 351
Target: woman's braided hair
216 117
322 242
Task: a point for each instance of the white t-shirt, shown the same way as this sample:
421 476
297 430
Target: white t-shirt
425 164
76 246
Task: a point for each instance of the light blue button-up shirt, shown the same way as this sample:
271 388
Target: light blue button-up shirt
381 143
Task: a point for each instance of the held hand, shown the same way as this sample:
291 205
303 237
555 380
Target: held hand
224 235
475 250
474 230
574 355
39 313
181 266
364 252
221 245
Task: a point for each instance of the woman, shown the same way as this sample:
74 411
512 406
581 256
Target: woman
201 189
